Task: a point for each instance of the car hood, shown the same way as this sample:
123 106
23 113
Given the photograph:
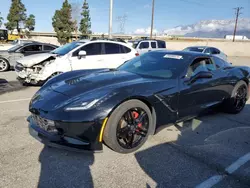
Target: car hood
106 80
29 61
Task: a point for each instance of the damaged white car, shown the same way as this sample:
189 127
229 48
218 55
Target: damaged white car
37 69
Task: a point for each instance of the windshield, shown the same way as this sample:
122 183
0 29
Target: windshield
156 64
194 49
66 48
14 48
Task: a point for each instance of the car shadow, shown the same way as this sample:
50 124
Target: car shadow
199 149
9 86
64 169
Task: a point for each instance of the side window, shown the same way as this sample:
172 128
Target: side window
161 44
91 49
144 45
215 51
207 51
48 48
220 63
125 49
111 48
200 65
153 44
33 48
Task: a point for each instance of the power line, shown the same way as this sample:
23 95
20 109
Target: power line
236 20
122 20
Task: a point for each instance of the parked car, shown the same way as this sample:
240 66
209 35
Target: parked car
207 50
9 57
122 107
143 46
77 55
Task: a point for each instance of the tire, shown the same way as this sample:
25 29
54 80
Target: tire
111 138
230 105
4 65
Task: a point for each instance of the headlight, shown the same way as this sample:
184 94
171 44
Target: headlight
86 104
82 106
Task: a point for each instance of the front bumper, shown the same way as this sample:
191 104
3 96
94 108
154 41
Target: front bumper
63 141
29 77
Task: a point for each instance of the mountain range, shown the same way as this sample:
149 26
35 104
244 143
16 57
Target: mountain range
212 28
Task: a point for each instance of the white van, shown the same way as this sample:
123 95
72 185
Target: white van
84 54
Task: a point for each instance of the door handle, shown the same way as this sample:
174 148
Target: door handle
100 60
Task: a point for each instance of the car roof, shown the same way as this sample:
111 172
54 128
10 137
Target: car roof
181 53
110 41
200 47
35 42
149 40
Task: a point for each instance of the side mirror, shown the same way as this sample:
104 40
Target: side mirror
81 54
201 75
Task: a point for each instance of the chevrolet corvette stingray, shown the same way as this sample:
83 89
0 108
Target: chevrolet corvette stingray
121 107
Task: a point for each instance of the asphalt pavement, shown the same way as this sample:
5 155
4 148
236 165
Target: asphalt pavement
212 150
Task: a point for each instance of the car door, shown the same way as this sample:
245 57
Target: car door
223 77
25 51
31 49
94 58
153 45
143 47
197 95
115 54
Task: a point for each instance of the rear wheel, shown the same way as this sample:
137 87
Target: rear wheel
4 65
238 99
128 127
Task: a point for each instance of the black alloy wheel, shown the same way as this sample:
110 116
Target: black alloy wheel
240 97
128 126
132 128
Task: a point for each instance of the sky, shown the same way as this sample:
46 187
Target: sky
168 13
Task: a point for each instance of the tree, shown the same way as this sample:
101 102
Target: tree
30 23
1 20
62 23
85 24
76 16
16 16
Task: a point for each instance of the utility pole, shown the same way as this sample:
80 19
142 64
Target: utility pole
110 18
152 19
236 20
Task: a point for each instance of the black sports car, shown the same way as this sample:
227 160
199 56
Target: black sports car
122 107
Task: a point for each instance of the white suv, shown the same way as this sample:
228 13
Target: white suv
84 54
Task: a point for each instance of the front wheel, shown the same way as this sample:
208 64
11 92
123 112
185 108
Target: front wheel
238 99
128 127
4 65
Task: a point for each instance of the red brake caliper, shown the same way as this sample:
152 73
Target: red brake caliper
135 116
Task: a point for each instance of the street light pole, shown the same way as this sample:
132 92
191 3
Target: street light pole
110 18
152 19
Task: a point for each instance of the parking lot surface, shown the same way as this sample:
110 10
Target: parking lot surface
212 150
